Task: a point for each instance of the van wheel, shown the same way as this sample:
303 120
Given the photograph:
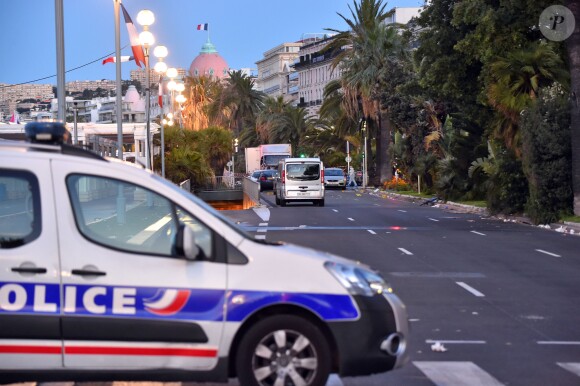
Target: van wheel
282 202
283 350
321 202
277 201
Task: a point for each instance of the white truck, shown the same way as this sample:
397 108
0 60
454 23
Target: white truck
266 156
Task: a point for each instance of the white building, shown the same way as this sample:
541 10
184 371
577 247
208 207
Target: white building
403 15
314 68
275 71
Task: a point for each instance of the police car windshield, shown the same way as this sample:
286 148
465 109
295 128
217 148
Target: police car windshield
207 207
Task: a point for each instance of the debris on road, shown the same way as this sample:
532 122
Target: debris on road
438 347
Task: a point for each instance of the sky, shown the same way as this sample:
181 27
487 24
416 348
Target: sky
241 30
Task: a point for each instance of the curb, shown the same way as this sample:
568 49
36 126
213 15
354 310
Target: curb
565 227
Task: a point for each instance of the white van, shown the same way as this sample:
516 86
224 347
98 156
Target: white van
109 272
300 179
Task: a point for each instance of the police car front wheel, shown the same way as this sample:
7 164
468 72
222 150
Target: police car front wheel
283 350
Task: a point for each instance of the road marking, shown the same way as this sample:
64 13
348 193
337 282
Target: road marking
334 210
547 253
433 219
570 366
414 320
456 373
560 342
262 230
404 251
263 213
260 237
371 232
334 380
478 233
470 289
431 341
401 210
351 219
263 224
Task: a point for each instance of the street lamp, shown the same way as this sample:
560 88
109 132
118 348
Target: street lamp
146 38
160 52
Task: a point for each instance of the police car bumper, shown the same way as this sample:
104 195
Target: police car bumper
377 341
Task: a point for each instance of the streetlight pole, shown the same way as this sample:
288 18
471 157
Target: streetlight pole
146 18
160 53
365 154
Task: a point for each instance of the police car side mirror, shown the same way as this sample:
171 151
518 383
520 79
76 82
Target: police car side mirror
185 245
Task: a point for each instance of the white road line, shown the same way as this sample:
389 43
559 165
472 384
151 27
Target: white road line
431 341
351 219
263 224
260 237
414 320
559 342
334 210
547 253
456 373
401 210
470 289
433 219
371 232
262 230
478 233
404 251
570 366
334 380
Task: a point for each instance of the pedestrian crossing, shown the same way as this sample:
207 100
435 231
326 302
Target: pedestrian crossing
445 373
457 373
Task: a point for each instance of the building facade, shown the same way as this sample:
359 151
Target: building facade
275 72
315 71
82 85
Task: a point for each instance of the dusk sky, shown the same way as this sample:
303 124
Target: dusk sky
241 30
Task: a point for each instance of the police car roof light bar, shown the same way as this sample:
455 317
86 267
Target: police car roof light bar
46 132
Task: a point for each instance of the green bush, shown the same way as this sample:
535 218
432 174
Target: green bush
547 157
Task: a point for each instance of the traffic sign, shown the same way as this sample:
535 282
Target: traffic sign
348 158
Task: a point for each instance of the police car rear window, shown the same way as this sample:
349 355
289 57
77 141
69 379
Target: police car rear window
20 219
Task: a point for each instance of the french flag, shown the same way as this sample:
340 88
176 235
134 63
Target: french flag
113 59
202 27
138 53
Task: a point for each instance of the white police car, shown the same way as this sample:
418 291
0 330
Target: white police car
109 272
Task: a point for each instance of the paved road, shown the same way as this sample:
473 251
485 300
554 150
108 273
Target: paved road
502 298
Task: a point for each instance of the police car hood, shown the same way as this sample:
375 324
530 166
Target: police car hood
297 253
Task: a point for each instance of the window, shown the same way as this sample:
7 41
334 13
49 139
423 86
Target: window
20 219
303 171
127 217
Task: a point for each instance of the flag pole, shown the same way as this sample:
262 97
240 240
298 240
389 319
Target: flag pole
119 96
121 202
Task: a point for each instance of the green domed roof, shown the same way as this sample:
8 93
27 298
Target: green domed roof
208 48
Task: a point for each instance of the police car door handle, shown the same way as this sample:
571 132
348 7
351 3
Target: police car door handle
87 272
29 270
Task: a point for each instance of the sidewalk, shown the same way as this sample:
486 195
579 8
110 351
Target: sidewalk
572 228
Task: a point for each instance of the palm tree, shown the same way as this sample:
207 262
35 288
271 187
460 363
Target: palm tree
291 126
200 92
372 48
238 103
516 80
268 117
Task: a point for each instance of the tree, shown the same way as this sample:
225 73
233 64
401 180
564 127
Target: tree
515 80
200 92
573 47
238 103
372 48
291 126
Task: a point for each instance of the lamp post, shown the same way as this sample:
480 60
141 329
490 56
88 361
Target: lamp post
364 129
160 52
146 38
